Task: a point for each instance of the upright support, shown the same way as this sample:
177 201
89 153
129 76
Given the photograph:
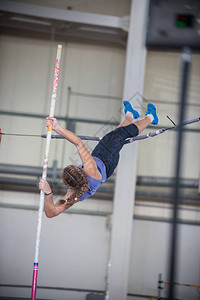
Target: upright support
44 174
186 59
122 220
159 286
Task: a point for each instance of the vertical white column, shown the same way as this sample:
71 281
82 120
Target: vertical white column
126 174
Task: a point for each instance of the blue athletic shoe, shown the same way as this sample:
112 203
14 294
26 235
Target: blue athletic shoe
151 110
128 107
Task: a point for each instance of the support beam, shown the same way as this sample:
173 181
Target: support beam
68 23
126 174
60 14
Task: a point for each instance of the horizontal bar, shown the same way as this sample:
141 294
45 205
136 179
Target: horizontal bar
145 136
82 137
136 138
160 131
187 122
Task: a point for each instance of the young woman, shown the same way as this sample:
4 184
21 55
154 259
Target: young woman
84 180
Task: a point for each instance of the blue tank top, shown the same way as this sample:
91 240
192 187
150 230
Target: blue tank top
94 184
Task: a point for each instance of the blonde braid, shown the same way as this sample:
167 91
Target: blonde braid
76 179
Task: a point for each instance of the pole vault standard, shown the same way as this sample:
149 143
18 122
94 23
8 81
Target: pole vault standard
186 61
44 174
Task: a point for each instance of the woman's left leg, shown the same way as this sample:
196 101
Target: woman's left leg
109 147
130 114
141 124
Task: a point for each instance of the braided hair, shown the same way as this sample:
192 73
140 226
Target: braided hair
76 179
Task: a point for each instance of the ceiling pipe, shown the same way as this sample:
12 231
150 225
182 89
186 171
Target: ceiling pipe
105 192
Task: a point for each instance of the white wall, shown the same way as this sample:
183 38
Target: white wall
74 253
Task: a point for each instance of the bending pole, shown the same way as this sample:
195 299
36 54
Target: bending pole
44 174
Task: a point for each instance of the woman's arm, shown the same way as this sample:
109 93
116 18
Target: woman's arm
51 209
89 164
68 135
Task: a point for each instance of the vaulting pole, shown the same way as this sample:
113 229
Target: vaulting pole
44 174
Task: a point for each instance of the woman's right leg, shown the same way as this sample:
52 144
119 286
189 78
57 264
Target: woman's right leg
143 124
